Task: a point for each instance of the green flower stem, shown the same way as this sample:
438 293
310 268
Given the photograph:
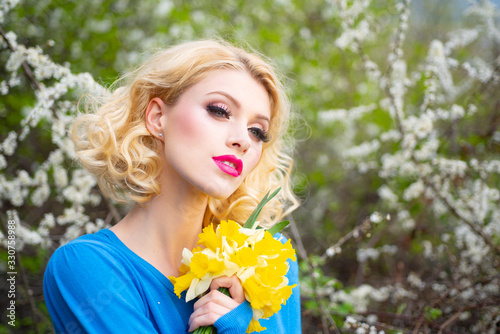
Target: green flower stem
253 217
251 222
211 329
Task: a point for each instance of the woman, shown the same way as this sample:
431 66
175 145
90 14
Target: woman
195 136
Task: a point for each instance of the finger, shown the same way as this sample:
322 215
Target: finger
216 297
207 314
203 320
233 283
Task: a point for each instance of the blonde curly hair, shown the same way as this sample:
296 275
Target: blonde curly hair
113 143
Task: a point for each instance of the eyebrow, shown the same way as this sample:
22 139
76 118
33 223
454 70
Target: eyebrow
237 104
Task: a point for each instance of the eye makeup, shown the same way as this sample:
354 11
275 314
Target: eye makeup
221 110
260 134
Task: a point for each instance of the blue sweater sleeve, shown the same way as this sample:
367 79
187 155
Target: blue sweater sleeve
87 290
236 321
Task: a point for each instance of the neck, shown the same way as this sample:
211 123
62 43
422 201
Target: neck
159 230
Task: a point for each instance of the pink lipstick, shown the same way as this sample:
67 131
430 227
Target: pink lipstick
229 164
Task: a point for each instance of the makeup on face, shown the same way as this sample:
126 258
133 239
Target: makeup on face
229 164
222 110
213 135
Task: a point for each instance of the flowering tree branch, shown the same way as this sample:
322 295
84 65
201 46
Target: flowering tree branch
25 66
410 160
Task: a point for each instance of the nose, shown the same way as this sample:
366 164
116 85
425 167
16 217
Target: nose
239 139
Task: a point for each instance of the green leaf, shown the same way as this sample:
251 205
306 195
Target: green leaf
401 308
432 313
253 217
278 227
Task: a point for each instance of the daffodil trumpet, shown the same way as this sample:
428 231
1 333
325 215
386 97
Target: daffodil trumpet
250 253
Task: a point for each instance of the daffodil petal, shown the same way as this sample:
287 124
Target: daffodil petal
257 314
246 273
254 327
186 256
191 294
203 285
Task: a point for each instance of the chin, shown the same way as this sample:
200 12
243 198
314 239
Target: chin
218 191
220 195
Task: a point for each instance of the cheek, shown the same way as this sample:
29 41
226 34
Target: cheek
188 126
254 160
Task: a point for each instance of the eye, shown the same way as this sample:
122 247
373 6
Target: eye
219 110
260 134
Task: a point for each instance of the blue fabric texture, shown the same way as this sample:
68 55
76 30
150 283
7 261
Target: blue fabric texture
96 284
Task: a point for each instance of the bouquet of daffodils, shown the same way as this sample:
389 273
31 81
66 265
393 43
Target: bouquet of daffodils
249 252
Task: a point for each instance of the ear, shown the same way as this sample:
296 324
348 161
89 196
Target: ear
154 120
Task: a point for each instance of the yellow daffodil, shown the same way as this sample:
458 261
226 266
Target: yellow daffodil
182 283
210 239
201 265
244 257
253 255
231 230
255 327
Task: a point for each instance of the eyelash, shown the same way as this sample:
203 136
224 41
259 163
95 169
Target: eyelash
260 134
223 111
219 110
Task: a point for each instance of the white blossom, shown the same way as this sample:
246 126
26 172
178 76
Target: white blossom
331 251
439 66
451 167
9 144
487 12
459 39
4 88
40 195
391 135
473 247
387 195
60 177
428 149
362 150
414 190
376 217
372 70
441 288
415 281
5 7
48 221
367 254
343 115
359 297
364 254
3 162
350 35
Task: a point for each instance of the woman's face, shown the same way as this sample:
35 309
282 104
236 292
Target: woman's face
214 133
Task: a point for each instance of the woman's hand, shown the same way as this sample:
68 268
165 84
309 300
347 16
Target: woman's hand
209 308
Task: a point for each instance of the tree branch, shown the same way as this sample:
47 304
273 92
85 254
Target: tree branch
325 314
27 70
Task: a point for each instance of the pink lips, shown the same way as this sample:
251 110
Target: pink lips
229 164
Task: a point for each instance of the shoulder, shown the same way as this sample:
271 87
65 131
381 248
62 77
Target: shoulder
93 285
86 259
85 249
